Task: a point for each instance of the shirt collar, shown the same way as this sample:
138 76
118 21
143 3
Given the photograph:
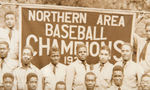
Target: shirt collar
4 60
104 63
53 65
30 66
9 28
116 86
80 62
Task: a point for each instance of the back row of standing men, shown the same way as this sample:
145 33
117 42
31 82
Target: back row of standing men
124 75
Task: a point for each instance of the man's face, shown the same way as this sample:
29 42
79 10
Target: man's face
82 53
8 83
126 52
55 57
90 81
10 20
147 31
32 83
60 87
27 56
118 77
145 83
3 50
104 56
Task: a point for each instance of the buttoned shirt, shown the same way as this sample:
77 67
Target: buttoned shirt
76 75
85 88
132 74
13 41
7 65
104 74
114 87
51 78
21 73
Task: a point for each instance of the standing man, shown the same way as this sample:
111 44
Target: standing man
32 81
104 68
117 79
27 67
132 71
6 64
10 34
54 71
76 71
143 48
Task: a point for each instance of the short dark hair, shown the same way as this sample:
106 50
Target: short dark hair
118 68
80 46
60 83
128 44
145 75
9 12
53 49
105 47
30 75
90 73
4 42
30 48
10 75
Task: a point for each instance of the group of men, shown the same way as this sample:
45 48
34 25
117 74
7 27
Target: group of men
79 75
124 75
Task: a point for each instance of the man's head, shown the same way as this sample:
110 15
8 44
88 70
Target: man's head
147 30
104 54
8 80
90 80
10 19
145 82
27 55
60 85
32 81
81 52
54 55
4 49
117 75
126 51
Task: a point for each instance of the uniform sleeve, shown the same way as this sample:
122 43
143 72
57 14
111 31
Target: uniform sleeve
70 77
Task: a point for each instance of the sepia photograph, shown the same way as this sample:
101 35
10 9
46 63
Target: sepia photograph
75 45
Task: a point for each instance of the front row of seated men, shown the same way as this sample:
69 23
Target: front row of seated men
90 81
79 75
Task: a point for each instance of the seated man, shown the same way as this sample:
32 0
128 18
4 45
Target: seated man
103 69
8 81
117 79
90 81
32 81
132 71
54 71
60 85
145 82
